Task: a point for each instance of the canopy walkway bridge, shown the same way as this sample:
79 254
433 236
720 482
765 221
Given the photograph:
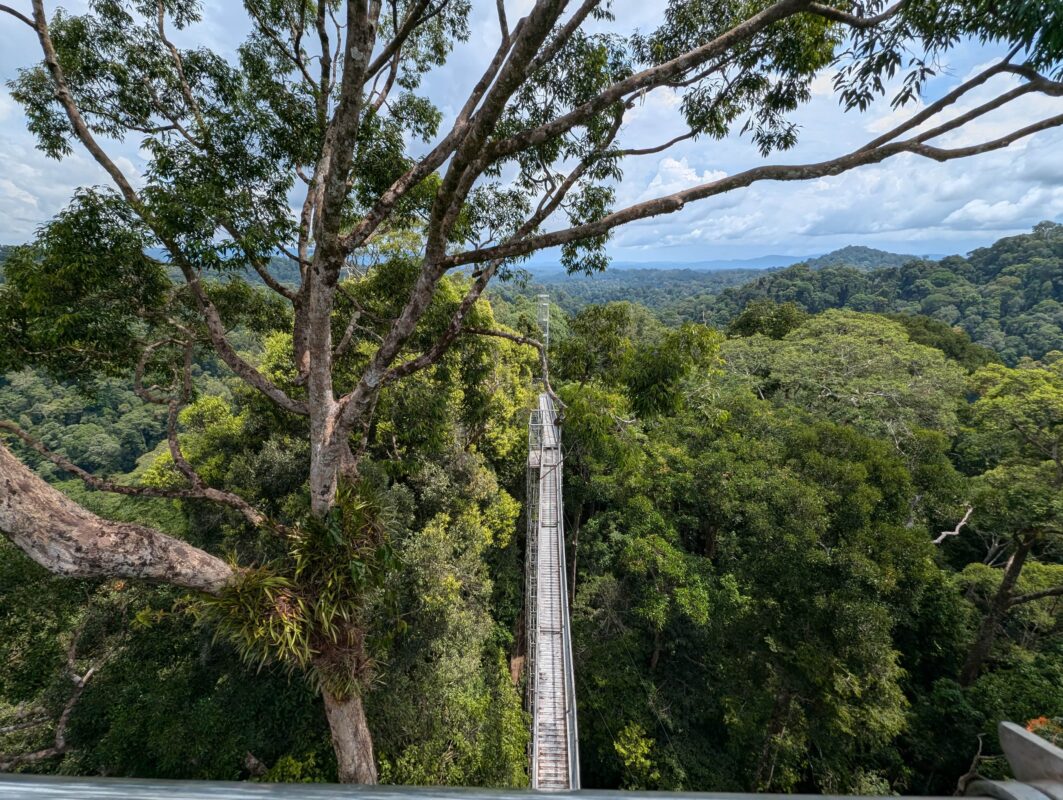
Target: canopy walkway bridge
551 680
551 688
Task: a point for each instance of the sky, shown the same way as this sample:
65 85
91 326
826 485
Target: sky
906 204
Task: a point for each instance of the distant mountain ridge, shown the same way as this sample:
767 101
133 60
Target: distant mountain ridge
852 256
863 258
856 256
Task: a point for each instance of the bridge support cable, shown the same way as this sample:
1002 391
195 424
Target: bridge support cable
554 756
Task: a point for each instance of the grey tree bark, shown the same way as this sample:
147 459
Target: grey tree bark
351 738
67 539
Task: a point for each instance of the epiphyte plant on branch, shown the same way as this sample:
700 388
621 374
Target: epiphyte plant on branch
325 101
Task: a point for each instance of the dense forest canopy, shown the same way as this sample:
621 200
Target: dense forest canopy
859 258
268 530
688 451
1007 297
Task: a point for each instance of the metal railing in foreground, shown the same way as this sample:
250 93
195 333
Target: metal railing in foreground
1036 764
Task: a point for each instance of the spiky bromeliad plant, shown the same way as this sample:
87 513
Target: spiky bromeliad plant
327 607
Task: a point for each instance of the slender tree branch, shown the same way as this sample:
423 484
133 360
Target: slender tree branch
647 79
6 9
543 362
1036 81
411 22
676 201
503 25
256 262
179 65
1055 591
22 726
197 492
646 151
959 527
854 21
60 745
294 55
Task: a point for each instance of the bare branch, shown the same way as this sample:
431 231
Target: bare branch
959 527
6 9
852 20
60 745
646 151
544 364
198 492
357 402
503 25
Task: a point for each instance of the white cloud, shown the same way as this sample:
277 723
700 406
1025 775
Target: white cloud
674 176
8 107
10 191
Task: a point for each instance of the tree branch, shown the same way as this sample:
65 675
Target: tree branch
434 159
199 490
67 539
6 9
503 25
215 326
676 201
256 263
955 531
60 745
179 65
543 362
852 20
1055 591
412 20
647 79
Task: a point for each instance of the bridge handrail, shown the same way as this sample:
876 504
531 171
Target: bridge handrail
566 629
531 558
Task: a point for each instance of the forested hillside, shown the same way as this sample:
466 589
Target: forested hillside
795 551
723 641
859 257
1007 297
660 288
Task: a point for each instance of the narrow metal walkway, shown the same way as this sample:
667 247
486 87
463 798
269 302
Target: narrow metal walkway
551 684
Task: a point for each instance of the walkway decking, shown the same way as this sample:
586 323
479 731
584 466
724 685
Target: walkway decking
551 686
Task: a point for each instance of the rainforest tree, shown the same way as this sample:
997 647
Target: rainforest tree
322 100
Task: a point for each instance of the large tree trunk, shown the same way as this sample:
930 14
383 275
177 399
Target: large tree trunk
67 539
351 738
998 609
